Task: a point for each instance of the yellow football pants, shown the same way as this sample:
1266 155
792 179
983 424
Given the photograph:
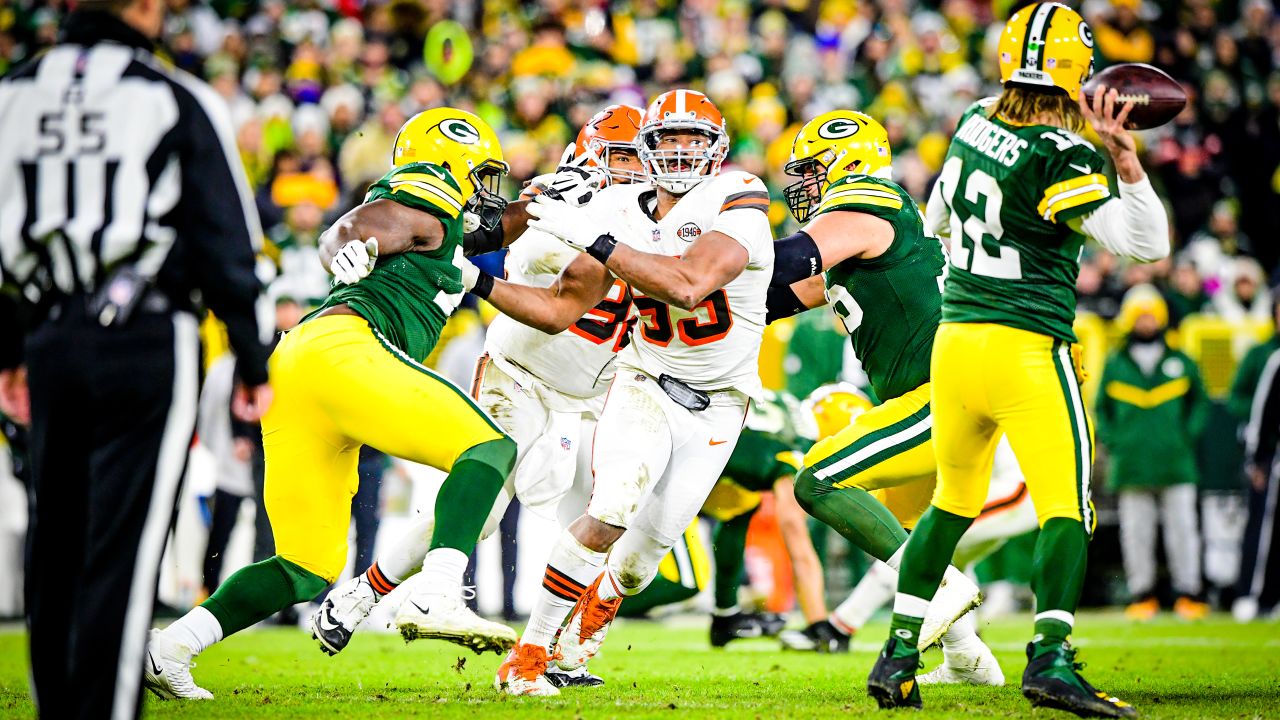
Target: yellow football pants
991 379
338 385
886 451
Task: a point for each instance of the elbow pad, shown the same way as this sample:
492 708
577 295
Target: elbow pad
795 258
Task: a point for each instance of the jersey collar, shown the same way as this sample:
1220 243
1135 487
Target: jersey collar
87 27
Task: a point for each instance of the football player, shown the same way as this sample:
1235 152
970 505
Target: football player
350 374
544 390
882 276
1019 192
696 249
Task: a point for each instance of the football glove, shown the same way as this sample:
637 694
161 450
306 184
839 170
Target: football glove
470 273
354 261
569 223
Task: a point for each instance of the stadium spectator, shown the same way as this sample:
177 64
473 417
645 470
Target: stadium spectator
1150 410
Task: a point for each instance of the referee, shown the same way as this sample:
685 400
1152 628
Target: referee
123 209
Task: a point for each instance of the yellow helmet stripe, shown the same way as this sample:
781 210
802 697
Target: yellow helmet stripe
433 198
424 187
434 180
1073 193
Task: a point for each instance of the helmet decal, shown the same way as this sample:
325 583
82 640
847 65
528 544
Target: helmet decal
1086 34
838 128
460 130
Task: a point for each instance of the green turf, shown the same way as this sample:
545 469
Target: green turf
1214 669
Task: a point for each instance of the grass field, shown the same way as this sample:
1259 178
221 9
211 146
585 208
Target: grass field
1215 669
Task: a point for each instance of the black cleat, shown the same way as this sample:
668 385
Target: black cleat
1052 679
892 681
579 677
738 626
821 637
771 623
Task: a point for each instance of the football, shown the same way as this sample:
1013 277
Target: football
1157 97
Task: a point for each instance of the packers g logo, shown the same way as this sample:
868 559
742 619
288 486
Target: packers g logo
1086 34
460 131
838 128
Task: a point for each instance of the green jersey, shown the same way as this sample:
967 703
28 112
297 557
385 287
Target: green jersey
408 297
772 443
1012 192
889 304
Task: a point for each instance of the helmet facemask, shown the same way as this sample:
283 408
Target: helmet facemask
485 203
601 154
805 195
678 167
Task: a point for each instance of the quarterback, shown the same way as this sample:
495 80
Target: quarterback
1018 194
349 375
695 247
544 390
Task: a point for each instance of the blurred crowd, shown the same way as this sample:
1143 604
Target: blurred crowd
318 88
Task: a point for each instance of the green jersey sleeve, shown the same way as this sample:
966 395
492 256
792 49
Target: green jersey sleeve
1074 182
864 194
421 186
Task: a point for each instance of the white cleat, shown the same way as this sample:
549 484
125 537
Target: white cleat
523 673
956 596
980 668
167 670
336 620
447 617
588 624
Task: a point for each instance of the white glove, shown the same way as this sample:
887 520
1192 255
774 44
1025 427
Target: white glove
354 261
556 217
470 273
470 222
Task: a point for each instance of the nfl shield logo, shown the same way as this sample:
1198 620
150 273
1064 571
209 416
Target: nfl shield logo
657 235
565 443
1051 63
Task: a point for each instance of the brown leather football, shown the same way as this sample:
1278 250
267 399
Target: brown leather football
1157 97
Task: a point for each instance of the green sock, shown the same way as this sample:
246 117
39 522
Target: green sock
907 629
929 552
464 500
254 593
728 543
1061 553
852 512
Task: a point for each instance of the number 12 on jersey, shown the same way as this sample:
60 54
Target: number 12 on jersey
976 228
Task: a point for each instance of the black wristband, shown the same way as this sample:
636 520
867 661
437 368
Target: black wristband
602 248
481 241
483 286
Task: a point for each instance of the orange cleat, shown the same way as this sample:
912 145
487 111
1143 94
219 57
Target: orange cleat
524 672
1142 610
1191 609
588 624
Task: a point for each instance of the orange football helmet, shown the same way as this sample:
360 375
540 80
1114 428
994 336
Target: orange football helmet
612 129
678 168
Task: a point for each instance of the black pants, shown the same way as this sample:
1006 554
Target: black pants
1260 551
366 506
226 509
113 411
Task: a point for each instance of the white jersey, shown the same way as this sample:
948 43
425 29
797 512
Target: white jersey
579 361
716 345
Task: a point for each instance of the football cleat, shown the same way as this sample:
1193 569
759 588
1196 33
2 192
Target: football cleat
342 611
588 624
821 637
956 596
1142 610
580 677
1189 608
167 670
446 617
738 626
523 672
1053 680
772 623
979 668
892 682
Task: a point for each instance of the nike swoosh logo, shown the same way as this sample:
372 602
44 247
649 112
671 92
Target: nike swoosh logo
747 181
421 609
1082 168
155 669
717 442
327 622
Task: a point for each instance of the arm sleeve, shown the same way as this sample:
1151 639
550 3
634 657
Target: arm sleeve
795 258
1264 418
782 302
1134 225
220 224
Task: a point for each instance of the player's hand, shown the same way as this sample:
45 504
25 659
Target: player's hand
354 261
1108 120
559 218
1257 477
249 404
15 399
470 273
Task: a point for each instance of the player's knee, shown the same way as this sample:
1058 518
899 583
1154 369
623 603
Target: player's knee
499 454
308 580
809 489
595 534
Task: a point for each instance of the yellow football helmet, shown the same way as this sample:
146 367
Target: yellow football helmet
835 405
829 147
464 145
1047 45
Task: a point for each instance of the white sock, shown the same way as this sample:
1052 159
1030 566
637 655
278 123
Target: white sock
442 571
611 587
726 612
961 640
197 630
570 569
872 592
895 560
404 559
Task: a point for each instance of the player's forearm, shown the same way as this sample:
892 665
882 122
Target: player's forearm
670 280
397 228
540 308
1134 225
